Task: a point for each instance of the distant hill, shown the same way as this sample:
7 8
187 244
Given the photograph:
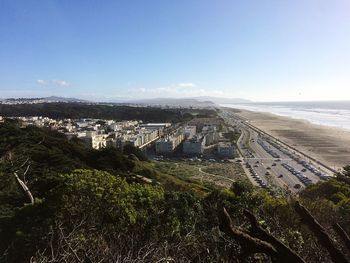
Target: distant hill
176 102
40 100
220 100
62 99
196 102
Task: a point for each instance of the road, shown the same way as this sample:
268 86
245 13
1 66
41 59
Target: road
270 164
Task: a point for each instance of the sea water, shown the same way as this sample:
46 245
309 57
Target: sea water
328 113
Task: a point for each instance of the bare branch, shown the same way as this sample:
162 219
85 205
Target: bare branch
259 232
24 188
344 236
68 244
336 255
25 173
253 244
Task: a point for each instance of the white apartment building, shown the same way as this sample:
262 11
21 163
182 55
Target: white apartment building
192 146
189 131
95 141
225 149
168 145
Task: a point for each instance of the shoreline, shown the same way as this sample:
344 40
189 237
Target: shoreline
324 119
330 145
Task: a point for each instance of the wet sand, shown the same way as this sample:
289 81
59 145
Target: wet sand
326 144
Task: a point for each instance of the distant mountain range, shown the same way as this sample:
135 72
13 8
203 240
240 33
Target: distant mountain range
221 100
204 101
43 100
63 99
181 102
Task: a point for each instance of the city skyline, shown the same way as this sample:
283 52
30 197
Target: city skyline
270 51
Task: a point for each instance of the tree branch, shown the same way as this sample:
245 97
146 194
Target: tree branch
344 236
259 232
336 255
24 188
254 245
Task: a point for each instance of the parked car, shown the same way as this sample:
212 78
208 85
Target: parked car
297 186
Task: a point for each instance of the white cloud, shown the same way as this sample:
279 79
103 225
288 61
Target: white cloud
53 82
41 82
60 82
187 85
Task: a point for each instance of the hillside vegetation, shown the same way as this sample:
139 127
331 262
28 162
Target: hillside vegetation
92 206
99 111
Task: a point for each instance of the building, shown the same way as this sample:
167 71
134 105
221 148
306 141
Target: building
155 125
189 131
201 122
168 145
193 146
210 134
95 141
225 150
115 126
165 146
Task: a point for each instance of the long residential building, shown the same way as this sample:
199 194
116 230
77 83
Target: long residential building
225 150
167 145
194 146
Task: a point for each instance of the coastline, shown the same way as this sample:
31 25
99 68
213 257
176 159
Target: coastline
329 145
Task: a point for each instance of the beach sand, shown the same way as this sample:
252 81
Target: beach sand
326 144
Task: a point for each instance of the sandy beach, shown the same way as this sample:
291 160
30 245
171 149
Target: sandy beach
327 144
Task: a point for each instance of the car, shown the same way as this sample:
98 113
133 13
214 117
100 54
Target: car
256 165
297 186
268 168
280 176
257 162
267 173
303 170
273 164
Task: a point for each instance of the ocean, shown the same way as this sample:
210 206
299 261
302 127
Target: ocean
328 113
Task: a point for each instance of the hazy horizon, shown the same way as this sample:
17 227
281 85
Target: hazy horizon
262 51
201 98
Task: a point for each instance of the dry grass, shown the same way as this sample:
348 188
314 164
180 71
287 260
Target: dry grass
219 174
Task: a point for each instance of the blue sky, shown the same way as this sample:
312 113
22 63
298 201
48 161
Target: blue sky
261 50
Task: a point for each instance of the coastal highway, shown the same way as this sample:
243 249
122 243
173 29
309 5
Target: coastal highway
269 163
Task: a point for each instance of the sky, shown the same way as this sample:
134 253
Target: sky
269 50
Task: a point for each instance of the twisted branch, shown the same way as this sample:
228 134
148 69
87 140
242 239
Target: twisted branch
322 236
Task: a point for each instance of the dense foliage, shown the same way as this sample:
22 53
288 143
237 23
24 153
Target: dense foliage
89 209
99 111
